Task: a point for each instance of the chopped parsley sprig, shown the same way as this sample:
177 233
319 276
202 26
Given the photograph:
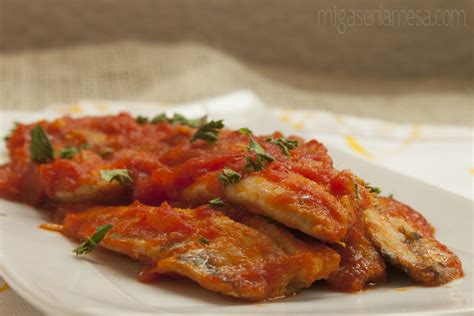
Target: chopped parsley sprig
261 156
372 189
89 245
259 151
179 119
159 118
356 191
245 131
142 119
70 151
256 164
229 176
41 149
204 240
208 132
175 119
119 175
284 143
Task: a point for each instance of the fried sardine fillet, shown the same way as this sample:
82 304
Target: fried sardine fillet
405 239
208 247
287 180
299 188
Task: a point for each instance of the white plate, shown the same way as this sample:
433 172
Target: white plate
41 267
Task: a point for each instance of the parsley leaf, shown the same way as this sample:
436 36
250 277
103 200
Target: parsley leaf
68 152
159 118
284 143
259 151
93 240
41 149
261 156
356 190
217 202
229 176
142 119
204 240
372 189
245 131
119 175
180 119
254 165
208 132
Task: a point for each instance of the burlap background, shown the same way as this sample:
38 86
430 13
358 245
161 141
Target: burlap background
175 51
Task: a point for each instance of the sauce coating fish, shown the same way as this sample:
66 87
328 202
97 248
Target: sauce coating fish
208 247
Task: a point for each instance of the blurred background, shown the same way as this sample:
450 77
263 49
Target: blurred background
299 53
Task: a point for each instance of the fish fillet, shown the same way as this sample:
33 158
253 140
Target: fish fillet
298 190
406 240
208 247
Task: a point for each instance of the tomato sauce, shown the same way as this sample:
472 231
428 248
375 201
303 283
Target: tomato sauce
163 162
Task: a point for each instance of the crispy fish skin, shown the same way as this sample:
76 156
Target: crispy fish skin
206 246
406 240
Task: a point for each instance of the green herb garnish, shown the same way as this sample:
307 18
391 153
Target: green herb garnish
356 190
159 118
261 156
119 175
229 176
41 149
245 131
68 152
204 240
217 202
372 189
142 119
284 143
93 240
254 165
259 151
208 132
179 119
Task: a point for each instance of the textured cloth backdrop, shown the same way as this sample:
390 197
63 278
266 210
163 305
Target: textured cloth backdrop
181 50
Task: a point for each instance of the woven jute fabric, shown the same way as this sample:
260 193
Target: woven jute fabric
176 51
